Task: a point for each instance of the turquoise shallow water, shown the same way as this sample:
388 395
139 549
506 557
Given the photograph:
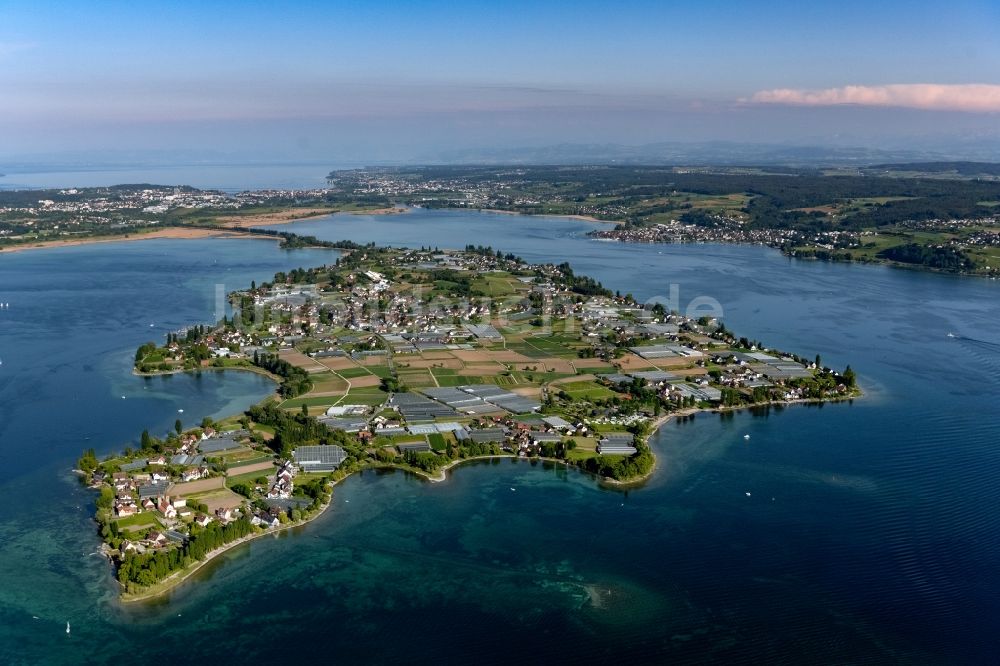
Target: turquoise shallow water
870 533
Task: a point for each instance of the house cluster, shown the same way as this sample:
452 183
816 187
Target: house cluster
282 486
758 369
145 484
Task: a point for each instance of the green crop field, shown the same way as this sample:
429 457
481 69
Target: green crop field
351 373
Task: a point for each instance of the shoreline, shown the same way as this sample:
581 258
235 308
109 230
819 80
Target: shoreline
293 215
499 211
176 233
889 263
167 373
169 583
235 230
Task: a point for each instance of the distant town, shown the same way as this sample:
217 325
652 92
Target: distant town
934 216
417 359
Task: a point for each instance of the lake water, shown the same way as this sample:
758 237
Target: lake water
228 178
870 533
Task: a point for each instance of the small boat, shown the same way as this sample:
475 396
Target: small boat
746 436
951 335
513 490
180 411
67 627
748 493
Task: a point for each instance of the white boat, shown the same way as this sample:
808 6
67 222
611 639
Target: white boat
67 627
951 335
746 436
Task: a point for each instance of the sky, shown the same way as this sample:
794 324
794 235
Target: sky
406 80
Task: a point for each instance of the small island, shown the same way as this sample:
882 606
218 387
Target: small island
417 359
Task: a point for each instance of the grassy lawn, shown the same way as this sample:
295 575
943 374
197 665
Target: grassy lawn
139 521
494 285
539 377
585 390
580 454
245 478
261 457
315 401
436 440
382 371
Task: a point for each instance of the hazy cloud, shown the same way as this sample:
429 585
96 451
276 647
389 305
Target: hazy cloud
976 97
7 48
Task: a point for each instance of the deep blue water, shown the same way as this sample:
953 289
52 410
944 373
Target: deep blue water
870 533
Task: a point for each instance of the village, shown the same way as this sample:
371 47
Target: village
419 359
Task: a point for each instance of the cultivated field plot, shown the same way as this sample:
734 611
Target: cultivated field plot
336 362
587 390
244 457
199 486
365 396
312 401
267 466
140 522
497 355
449 363
417 378
599 365
632 361
679 362
365 381
356 371
300 360
497 285
484 369
438 354
222 498
328 383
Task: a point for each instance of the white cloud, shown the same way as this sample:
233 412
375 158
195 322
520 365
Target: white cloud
975 97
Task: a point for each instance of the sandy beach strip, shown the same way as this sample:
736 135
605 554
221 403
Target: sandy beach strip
170 232
295 215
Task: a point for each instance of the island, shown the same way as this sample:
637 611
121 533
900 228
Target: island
419 360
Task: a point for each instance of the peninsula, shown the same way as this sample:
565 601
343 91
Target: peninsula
417 359
933 216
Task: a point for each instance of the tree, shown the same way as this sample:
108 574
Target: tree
145 441
850 378
178 426
88 461
305 409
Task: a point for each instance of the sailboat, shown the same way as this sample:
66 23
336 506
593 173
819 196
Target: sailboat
67 627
